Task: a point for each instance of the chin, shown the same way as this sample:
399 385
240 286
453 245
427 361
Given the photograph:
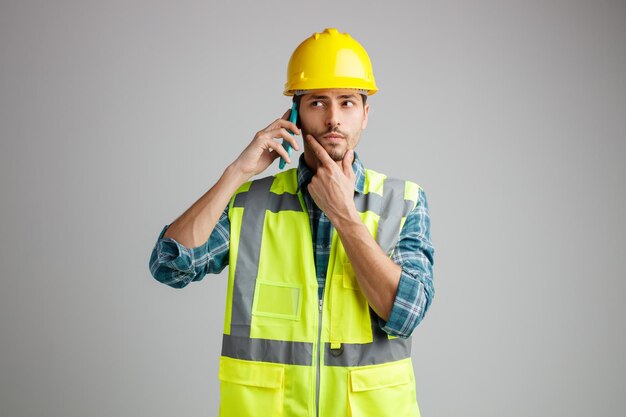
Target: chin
336 153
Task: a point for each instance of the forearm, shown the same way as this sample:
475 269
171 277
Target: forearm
195 225
377 275
176 265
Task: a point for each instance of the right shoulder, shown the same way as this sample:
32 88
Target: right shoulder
284 181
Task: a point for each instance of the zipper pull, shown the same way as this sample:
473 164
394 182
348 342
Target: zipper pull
321 305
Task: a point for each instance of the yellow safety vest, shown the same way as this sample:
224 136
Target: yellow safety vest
285 353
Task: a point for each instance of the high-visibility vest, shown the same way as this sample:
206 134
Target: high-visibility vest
285 353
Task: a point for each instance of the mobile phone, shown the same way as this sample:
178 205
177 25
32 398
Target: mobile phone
292 118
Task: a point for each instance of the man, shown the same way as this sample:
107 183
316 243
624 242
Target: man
330 263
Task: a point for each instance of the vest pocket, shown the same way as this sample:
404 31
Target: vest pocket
251 389
383 391
277 299
349 277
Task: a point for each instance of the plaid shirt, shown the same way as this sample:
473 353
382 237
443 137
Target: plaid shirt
175 265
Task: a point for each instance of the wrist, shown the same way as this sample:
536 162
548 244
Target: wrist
236 174
346 218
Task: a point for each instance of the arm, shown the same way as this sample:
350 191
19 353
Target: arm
332 189
407 292
195 225
399 289
176 265
198 241
377 275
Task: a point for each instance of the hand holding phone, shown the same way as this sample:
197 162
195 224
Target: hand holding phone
293 116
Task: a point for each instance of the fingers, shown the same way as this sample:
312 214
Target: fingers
346 163
283 122
291 126
283 134
268 140
278 150
319 151
278 130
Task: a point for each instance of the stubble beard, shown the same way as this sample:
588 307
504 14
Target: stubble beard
336 151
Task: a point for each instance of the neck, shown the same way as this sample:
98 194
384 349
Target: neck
311 161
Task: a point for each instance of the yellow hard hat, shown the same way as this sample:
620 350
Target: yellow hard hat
329 60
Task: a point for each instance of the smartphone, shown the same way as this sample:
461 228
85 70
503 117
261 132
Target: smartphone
292 118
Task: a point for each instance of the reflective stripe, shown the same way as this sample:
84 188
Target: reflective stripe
368 202
378 352
381 350
265 350
373 202
257 200
274 202
248 257
392 210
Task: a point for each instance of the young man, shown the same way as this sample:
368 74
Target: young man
330 264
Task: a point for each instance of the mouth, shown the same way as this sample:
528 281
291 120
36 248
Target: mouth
333 137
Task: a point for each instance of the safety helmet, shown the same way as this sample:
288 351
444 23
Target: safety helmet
329 60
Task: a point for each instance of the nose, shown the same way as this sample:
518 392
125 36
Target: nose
332 116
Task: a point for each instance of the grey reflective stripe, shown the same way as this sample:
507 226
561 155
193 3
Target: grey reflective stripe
381 350
393 208
274 202
257 200
368 202
374 202
375 353
266 350
248 255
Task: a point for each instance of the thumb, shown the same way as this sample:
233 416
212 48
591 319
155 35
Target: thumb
346 163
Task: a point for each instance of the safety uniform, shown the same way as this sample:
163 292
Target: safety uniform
285 352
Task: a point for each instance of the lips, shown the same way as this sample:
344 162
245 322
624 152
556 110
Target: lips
333 137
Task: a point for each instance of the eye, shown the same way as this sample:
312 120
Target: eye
348 103
316 103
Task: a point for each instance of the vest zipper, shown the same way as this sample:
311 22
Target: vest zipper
318 370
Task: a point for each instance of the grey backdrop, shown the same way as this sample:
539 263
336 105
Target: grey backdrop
116 115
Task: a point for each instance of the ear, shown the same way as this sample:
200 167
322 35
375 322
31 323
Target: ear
366 110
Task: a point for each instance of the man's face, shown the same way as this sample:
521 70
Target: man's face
335 118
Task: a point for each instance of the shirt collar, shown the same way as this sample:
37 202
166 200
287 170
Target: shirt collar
305 174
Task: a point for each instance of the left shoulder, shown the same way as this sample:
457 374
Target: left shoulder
378 182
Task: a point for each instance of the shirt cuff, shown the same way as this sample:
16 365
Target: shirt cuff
405 311
174 255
